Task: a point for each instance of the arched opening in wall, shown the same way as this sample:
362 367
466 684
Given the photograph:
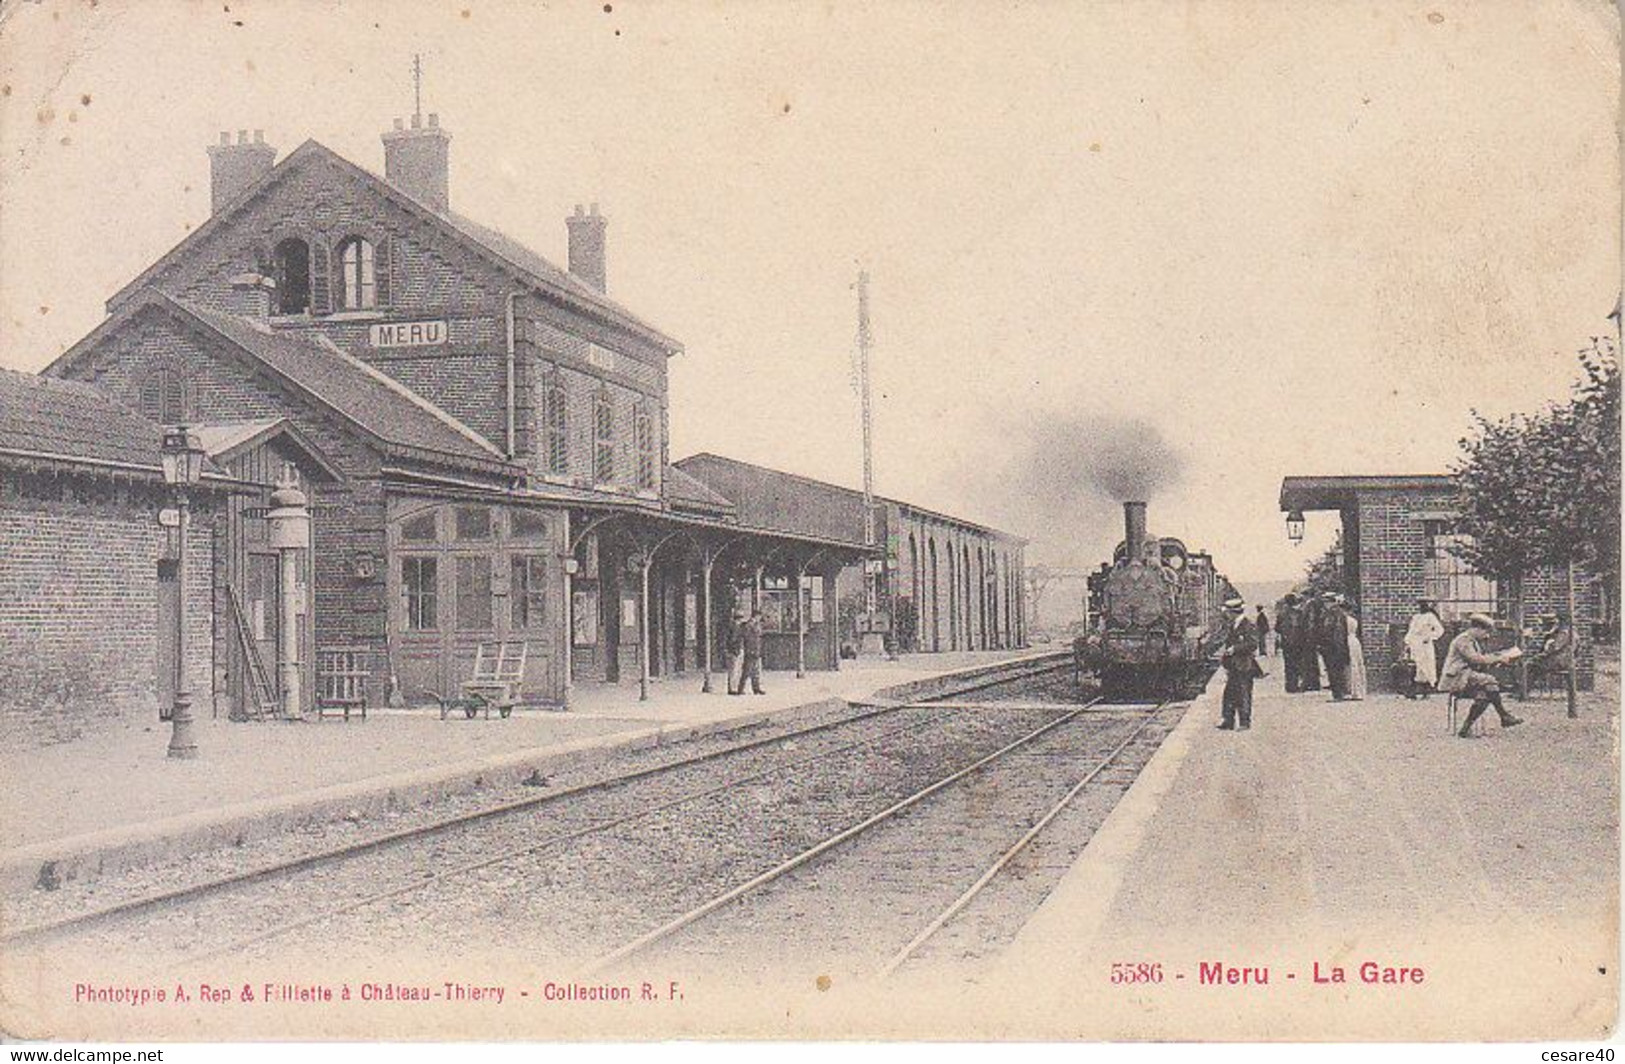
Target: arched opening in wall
953 598
981 599
968 599
996 595
913 640
293 276
358 281
936 632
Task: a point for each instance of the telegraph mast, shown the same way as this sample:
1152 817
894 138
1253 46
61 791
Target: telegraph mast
417 89
864 338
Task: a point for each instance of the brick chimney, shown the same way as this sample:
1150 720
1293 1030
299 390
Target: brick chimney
418 161
587 245
233 167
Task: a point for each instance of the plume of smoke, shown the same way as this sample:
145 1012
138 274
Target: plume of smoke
1067 476
1119 459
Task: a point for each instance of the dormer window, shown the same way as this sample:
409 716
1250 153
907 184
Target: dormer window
293 276
358 287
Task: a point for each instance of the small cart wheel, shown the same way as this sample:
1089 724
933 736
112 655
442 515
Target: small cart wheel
505 710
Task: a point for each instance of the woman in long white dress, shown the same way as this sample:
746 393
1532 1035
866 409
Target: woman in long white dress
1356 681
1424 631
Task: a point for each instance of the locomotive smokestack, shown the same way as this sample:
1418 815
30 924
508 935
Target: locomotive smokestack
1133 528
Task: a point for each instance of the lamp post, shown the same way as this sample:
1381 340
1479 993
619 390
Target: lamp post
182 456
1294 526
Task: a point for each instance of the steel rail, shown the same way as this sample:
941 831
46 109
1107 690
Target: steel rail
930 930
698 913
191 892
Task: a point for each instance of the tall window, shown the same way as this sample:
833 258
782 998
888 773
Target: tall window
1448 579
527 590
418 577
646 451
293 276
358 281
556 417
603 414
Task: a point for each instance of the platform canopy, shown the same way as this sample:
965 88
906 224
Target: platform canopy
1304 494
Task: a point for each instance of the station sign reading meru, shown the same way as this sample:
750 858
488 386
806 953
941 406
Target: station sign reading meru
410 334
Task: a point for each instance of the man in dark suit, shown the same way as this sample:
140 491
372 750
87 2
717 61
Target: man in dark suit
753 654
1289 638
1240 661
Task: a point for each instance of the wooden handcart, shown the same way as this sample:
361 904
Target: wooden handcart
498 682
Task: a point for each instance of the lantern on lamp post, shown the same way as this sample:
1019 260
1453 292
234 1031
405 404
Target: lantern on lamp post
1294 526
182 456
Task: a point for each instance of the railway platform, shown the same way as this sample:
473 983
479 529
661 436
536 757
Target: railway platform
114 800
1345 870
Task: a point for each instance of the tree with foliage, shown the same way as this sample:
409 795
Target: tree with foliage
1325 573
1542 489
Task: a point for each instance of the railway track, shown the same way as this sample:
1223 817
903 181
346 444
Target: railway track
133 911
791 918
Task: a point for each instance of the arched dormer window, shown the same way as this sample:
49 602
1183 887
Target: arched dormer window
358 282
293 276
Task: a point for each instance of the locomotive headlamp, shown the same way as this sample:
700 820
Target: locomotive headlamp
1294 526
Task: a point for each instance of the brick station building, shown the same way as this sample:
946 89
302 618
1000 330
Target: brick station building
482 436
1397 537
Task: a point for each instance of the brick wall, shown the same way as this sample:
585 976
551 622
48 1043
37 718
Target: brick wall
990 617
426 273
1389 550
79 612
349 515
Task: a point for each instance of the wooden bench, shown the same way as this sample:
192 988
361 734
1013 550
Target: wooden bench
498 681
341 681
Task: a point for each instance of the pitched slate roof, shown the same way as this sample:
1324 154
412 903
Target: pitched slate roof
772 498
376 402
44 419
69 421
395 417
686 492
531 267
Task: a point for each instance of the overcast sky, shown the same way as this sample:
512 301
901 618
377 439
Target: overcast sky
1254 240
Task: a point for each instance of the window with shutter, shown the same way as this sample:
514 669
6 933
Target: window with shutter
321 279
385 263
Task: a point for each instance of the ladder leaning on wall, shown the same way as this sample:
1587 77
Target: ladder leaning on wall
259 694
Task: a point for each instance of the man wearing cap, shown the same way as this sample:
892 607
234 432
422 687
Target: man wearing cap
1465 672
1240 662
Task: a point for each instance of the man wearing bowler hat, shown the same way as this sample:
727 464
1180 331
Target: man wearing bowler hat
1240 661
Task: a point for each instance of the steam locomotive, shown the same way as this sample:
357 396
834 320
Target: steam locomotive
1157 612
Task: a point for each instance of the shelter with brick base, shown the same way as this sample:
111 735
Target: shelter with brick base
1398 540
